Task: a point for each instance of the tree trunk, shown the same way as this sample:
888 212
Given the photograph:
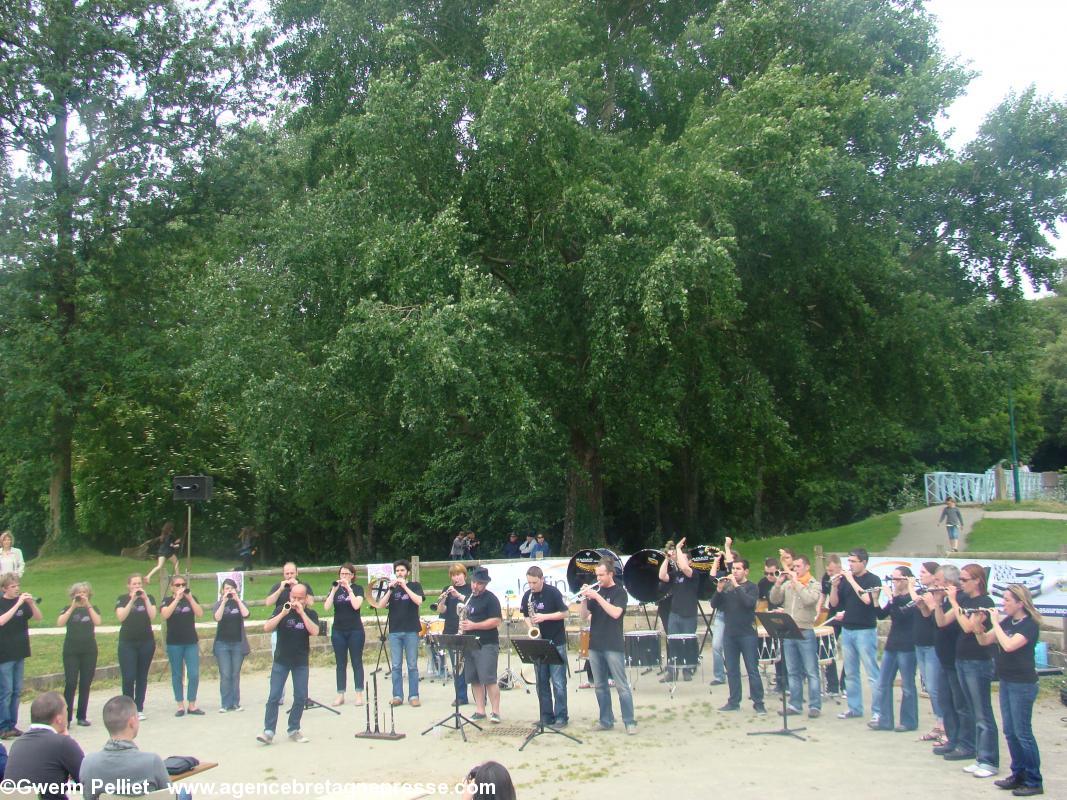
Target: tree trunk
757 505
359 536
62 530
583 514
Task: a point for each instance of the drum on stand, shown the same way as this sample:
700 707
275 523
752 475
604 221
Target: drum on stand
683 650
768 651
643 649
827 645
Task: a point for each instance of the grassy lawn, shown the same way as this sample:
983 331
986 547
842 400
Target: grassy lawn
1017 536
1028 505
875 534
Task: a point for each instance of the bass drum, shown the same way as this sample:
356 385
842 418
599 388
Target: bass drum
704 559
581 570
640 576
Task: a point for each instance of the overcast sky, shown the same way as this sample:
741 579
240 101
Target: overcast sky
1011 43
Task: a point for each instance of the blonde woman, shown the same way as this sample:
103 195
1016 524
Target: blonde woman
79 649
1015 635
136 610
11 560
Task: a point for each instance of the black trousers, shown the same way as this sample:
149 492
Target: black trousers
78 672
135 659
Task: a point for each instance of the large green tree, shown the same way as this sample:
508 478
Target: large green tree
98 101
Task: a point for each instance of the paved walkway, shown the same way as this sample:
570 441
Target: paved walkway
920 533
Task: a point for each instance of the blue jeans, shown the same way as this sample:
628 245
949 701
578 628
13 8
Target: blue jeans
930 671
10 692
230 656
279 673
609 664
904 662
680 624
718 634
552 689
802 660
1016 710
401 645
734 648
189 655
976 676
861 646
956 711
348 645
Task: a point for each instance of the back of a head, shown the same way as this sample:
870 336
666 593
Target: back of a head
491 779
46 708
118 711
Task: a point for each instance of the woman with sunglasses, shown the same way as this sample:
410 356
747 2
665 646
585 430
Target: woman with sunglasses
181 610
1016 636
137 644
974 665
899 656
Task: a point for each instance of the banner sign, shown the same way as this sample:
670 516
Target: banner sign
508 581
237 577
1046 580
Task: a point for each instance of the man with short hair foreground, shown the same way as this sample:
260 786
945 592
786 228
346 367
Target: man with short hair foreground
122 768
45 754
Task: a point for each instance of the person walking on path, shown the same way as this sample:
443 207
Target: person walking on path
953 520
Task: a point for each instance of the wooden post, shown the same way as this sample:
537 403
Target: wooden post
1063 641
820 562
415 568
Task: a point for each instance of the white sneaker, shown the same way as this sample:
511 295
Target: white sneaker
985 771
141 715
971 767
298 737
223 710
266 737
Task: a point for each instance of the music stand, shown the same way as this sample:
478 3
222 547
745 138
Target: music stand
540 652
456 644
780 625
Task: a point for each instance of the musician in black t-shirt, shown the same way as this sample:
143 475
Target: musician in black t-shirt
79 649
16 611
457 591
295 624
279 592
974 665
483 617
925 634
544 607
736 600
1015 636
231 644
959 721
403 599
137 643
348 636
181 610
899 655
683 585
604 604
855 593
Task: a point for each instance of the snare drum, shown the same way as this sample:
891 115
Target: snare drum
437 627
827 644
643 649
683 650
583 643
767 651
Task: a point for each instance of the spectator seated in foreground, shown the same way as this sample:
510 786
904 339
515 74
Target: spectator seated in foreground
121 768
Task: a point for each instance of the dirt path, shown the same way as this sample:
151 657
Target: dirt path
920 533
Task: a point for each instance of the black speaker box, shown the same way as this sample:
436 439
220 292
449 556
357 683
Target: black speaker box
193 487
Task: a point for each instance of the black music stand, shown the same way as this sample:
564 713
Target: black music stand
780 625
456 644
540 652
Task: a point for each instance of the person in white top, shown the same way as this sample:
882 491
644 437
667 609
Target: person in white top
10 556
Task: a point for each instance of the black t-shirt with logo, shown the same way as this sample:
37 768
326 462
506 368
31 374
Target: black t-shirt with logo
450 612
346 618
967 646
606 633
294 641
81 632
181 627
945 639
684 590
547 601
858 614
901 637
764 587
283 598
137 627
403 611
15 635
1018 666
480 608
231 624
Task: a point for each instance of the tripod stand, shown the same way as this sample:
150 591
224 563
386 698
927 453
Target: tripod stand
456 644
540 653
508 680
780 626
